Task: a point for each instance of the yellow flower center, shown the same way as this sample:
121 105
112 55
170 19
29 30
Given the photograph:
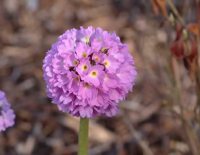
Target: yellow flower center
86 40
84 54
93 74
106 63
84 67
75 62
104 50
96 58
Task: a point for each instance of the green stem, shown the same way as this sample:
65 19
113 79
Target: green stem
83 136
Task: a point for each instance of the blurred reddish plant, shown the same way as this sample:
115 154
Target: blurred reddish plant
185 50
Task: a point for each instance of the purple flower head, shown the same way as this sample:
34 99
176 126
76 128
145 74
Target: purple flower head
7 115
88 72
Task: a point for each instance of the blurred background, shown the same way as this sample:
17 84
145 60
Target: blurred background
160 116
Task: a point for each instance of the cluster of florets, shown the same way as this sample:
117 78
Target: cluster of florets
88 71
7 115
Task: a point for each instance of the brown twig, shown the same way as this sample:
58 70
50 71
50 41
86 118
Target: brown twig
189 131
143 144
175 11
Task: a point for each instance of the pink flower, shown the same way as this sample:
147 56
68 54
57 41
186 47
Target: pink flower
83 67
7 116
82 50
111 64
94 75
88 72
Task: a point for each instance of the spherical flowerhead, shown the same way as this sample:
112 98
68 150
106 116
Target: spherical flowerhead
88 71
7 115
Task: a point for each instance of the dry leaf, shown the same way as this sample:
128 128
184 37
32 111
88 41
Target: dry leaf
194 28
159 6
